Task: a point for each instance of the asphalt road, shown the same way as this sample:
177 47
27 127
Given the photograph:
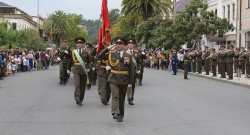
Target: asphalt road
34 103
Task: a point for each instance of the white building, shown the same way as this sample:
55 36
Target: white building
18 18
223 9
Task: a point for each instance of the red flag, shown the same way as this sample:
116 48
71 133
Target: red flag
104 31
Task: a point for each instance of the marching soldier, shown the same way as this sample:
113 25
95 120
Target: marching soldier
142 58
174 60
80 70
207 60
199 59
94 72
63 56
222 61
247 56
193 58
121 76
243 60
186 63
91 65
236 61
137 63
213 58
230 56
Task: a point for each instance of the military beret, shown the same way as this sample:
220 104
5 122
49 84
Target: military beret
88 45
120 39
79 39
131 40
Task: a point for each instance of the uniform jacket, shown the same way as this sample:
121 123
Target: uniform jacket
76 67
222 57
230 57
65 58
247 56
118 64
136 56
214 60
198 56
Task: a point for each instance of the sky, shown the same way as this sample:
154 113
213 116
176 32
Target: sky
90 9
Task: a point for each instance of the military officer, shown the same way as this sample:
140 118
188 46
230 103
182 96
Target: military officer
121 76
63 56
213 57
174 60
186 63
142 58
193 58
243 60
207 60
199 59
80 69
236 61
230 57
91 65
222 61
137 62
247 57
94 71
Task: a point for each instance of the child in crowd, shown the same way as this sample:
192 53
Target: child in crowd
24 64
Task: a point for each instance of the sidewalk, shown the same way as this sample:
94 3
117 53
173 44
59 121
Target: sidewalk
241 81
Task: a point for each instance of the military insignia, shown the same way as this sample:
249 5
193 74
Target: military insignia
126 60
119 40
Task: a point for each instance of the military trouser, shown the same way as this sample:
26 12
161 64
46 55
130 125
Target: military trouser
214 70
118 98
230 70
186 66
90 76
104 88
63 70
219 68
199 67
194 66
94 75
207 66
222 70
140 76
79 82
131 91
248 70
243 66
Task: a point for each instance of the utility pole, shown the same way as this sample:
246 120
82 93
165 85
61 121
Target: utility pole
37 25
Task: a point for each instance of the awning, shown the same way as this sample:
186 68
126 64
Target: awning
217 39
231 37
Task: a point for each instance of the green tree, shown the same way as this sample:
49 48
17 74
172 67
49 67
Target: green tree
147 8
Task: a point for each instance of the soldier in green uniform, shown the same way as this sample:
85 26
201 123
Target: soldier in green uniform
121 75
64 56
193 58
230 57
90 65
243 60
186 63
137 63
247 57
213 58
236 61
207 60
142 58
174 60
199 59
94 72
222 61
80 70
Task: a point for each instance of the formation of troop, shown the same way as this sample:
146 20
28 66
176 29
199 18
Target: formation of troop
225 60
118 69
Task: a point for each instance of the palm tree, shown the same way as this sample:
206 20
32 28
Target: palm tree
147 8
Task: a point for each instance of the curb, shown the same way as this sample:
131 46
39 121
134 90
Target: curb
232 82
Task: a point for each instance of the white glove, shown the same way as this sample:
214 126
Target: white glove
143 53
68 71
88 70
108 67
138 71
129 85
111 47
93 68
96 46
58 59
66 51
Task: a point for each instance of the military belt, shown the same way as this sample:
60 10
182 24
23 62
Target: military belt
77 64
99 61
103 66
186 60
119 72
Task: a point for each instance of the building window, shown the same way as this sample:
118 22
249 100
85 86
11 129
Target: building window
247 39
228 12
224 11
13 26
248 4
233 11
